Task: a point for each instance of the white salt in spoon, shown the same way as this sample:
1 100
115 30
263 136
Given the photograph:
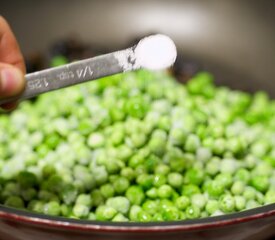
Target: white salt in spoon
153 52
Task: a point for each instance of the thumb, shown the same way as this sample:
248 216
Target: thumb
12 81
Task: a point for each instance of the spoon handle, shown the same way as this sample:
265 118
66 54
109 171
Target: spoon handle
77 72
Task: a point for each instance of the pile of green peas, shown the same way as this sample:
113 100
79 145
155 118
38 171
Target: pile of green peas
139 147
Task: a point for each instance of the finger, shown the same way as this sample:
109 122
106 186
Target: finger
9 106
9 49
12 81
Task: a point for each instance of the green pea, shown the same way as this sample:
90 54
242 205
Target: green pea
65 210
134 211
52 208
84 199
199 200
227 203
128 173
97 197
143 216
27 179
120 218
243 175
238 187
135 195
212 166
240 202
252 204
152 193
165 191
192 143
92 216
189 190
261 183
194 176
159 180
157 146
212 206
162 169
150 206
121 184
269 197
104 213
171 213
145 181
224 179
96 140
182 202
119 203
249 193
28 194
14 201
107 190
175 179
69 194
192 212
215 188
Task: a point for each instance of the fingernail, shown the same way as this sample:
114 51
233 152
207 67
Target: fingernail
11 81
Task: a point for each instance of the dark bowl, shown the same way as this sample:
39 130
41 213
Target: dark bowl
254 224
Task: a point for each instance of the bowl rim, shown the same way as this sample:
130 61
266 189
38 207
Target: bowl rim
40 220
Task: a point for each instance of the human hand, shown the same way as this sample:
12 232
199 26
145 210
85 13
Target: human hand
12 66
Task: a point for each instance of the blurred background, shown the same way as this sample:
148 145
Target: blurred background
235 40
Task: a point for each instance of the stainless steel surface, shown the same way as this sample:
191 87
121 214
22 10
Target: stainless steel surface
74 73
